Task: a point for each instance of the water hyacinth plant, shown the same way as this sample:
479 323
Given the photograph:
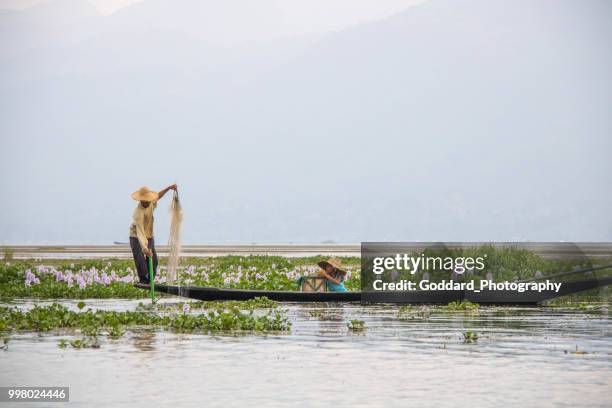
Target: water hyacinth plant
470 337
93 325
356 325
463 306
115 278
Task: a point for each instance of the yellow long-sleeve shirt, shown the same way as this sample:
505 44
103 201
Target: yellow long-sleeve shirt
142 223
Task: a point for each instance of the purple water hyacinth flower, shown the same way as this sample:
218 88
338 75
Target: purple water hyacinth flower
82 283
127 279
59 276
258 276
227 281
186 308
30 278
394 275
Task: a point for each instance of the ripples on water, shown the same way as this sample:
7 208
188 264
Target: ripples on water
522 358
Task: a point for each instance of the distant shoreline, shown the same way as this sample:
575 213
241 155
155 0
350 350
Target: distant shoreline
546 250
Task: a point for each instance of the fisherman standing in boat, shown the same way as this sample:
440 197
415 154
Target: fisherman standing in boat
333 272
141 230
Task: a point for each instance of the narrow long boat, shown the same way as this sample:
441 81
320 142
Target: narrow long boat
491 297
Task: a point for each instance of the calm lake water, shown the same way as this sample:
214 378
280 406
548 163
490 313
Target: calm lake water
522 358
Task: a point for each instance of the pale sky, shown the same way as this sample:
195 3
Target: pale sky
454 120
315 14
103 6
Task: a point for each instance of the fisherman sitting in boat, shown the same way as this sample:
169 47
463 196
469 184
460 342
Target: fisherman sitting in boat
333 272
141 230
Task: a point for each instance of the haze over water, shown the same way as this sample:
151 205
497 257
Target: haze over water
448 120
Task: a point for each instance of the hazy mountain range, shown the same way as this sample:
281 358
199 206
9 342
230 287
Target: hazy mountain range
452 120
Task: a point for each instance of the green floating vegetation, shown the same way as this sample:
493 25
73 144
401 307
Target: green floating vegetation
48 289
470 337
114 324
409 312
114 278
85 343
356 325
325 315
261 302
317 313
577 352
594 300
463 306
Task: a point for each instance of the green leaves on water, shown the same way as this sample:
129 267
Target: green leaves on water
114 324
356 325
470 337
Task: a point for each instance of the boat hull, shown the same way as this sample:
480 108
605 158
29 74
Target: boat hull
491 297
208 293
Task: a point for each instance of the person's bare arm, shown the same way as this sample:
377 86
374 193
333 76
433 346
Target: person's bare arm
165 190
330 278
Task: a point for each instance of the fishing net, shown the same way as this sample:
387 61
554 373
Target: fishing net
174 240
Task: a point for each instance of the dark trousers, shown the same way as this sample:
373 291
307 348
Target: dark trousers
142 261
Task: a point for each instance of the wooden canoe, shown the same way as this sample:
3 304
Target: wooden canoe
491 297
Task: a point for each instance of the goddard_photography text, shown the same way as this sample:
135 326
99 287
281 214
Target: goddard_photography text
458 265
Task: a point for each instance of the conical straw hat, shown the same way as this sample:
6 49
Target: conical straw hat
144 194
334 262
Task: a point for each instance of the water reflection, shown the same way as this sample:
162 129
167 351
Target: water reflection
553 356
144 340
